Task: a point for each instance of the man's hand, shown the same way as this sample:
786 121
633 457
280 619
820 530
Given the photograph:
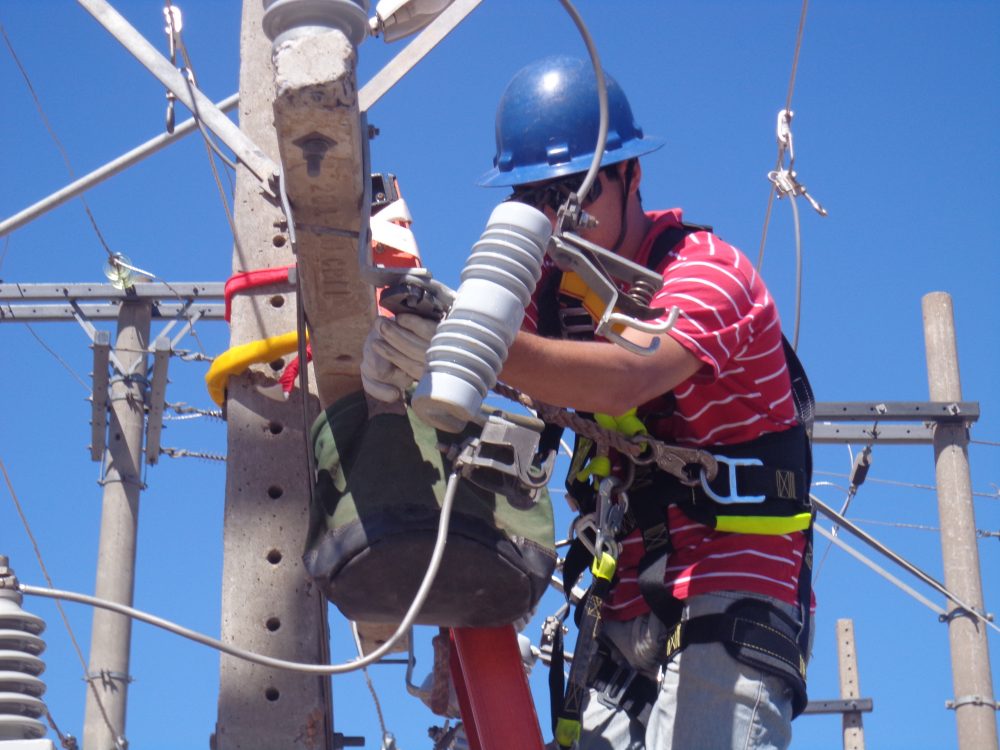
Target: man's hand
395 355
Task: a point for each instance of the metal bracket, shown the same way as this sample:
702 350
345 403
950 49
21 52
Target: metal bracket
599 268
502 458
840 706
157 399
99 394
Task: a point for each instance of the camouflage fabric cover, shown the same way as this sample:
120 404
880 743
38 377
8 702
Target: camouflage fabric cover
380 485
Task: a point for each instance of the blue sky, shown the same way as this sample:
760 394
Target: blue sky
896 112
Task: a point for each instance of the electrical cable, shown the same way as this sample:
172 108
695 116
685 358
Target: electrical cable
368 679
834 539
269 661
913 485
903 563
55 138
62 612
58 359
798 273
175 37
602 99
781 149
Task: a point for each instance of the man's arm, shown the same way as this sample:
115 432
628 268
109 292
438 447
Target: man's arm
596 376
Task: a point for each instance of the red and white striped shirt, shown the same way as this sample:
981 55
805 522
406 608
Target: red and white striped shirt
729 321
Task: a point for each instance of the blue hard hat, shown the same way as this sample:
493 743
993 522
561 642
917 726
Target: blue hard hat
548 119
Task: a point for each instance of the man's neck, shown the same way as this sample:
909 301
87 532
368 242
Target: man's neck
638 227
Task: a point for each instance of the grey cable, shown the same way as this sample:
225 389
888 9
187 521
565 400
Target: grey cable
62 612
781 150
834 539
602 98
269 661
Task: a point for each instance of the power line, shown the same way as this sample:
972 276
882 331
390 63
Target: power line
913 485
48 578
58 359
55 138
788 108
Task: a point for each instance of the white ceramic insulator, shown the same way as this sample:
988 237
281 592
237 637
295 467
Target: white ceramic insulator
470 345
21 705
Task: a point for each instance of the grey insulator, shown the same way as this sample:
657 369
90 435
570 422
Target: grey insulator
21 706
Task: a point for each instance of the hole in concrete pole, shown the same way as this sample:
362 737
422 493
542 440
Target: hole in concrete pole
275 427
272 624
274 556
278 365
274 492
277 300
278 240
272 694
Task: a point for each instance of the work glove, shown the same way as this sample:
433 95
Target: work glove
395 355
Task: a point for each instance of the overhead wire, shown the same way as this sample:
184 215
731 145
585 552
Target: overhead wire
175 36
788 107
416 605
58 359
913 485
62 612
368 679
55 138
882 549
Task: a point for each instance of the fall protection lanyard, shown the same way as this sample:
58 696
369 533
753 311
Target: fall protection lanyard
567 704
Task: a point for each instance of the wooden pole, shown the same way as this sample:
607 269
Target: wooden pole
974 703
107 674
268 604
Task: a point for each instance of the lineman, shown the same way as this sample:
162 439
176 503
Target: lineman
703 640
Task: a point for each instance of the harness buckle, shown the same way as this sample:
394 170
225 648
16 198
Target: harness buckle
733 496
612 693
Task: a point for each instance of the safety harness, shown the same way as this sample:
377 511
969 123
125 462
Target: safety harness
762 487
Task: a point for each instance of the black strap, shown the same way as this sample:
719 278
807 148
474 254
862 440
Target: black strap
755 633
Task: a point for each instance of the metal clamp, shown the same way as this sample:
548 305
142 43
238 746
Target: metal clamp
502 458
971 700
733 497
610 514
599 268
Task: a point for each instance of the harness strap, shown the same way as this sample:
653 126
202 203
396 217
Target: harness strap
754 633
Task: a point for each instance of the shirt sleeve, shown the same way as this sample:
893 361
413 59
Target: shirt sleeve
721 302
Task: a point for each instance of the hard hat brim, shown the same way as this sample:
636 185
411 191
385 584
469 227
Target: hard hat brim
527 174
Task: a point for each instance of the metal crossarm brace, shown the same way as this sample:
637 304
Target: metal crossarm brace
157 399
246 150
842 706
99 396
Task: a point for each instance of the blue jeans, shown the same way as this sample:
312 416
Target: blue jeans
706 701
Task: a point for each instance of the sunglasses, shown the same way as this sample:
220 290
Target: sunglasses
555 192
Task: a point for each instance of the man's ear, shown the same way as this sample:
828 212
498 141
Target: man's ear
636 168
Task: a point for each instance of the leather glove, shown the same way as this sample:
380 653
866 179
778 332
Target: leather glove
395 355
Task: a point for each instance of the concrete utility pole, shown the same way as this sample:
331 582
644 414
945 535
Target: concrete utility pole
974 703
268 604
104 721
850 688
